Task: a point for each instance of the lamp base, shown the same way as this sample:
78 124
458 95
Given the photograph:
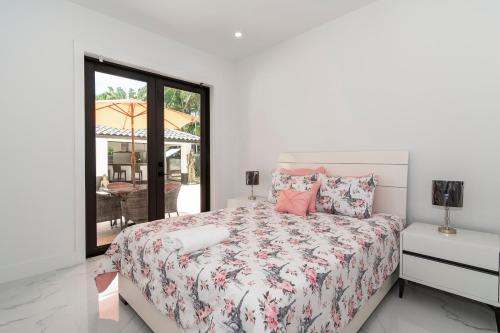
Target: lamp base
447 230
252 197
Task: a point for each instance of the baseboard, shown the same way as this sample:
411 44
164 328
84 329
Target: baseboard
38 266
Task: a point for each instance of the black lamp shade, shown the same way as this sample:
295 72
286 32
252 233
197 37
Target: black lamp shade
252 177
448 193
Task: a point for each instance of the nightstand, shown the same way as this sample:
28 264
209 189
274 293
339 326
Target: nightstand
242 202
466 264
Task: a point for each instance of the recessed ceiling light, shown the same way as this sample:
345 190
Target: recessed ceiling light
238 34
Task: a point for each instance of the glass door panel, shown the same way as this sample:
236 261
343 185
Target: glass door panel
121 154
182 149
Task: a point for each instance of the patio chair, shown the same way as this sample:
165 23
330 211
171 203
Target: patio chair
172 190
138 171
135 207
117 169
108 207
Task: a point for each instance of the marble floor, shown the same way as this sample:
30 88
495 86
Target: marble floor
66 301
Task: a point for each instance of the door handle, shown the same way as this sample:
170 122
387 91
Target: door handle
161 171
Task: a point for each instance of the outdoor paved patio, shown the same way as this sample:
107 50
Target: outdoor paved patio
189 199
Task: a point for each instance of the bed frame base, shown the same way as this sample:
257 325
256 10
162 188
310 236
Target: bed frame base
159 323
156 321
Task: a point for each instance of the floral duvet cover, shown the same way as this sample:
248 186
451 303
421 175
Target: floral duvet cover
276 273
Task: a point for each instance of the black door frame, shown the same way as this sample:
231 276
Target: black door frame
155 86
204 132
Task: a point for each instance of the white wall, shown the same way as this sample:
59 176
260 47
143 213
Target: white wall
398 74
41 98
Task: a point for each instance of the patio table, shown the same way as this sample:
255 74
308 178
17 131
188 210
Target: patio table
122 191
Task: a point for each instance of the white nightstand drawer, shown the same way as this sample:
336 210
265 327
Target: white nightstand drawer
462 281
466 247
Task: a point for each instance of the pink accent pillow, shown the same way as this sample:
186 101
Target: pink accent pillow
293 202
302 171
314 192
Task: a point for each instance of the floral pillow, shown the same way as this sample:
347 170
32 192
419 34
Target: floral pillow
280 181
351 196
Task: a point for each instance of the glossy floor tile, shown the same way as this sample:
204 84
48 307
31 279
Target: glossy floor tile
426 310
63 301
66 301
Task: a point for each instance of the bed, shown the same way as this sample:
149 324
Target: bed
277 272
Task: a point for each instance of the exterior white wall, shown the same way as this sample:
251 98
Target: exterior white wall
185 150
42 225
101 157
422 76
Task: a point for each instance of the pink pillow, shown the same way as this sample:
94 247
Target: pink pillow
293 202
302 171
314 192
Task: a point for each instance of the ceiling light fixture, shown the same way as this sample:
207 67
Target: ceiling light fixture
238 34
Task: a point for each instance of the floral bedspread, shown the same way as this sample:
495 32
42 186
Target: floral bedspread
276 273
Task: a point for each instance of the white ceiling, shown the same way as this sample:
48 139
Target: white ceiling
209 25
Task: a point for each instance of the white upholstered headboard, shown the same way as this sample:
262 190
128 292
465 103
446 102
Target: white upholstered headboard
391 167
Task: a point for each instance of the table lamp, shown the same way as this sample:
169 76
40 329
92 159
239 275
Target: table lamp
252 178
448 194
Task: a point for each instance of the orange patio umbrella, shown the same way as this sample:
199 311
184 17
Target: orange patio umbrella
132 114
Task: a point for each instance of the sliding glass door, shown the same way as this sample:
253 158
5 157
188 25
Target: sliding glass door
186 180
146 150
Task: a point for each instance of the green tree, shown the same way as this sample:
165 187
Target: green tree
183 101
187 102
112 93
132 94
193 128
142 93
120 93
175 99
